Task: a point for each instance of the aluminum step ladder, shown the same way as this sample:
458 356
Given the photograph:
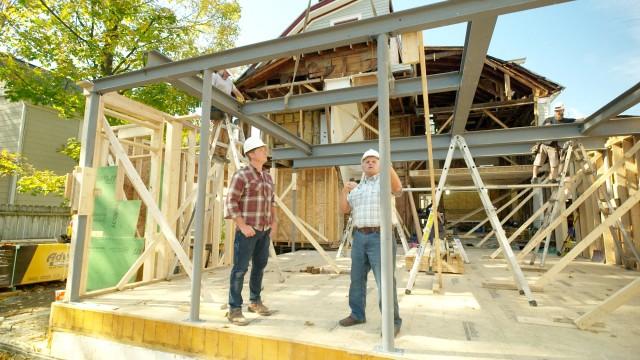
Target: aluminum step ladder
458 142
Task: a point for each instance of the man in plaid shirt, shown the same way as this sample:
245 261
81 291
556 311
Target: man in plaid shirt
250 203
363 202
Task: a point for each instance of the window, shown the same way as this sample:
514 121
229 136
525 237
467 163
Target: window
346 19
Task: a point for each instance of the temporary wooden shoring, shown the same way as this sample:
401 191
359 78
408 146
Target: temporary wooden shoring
439 284
468 215
147 198
585 195
445 124
495 118
313 230
360 122
588 240
507 217
576 181
614 301
523 227
307 235
514 199
286 191
414 215
610 206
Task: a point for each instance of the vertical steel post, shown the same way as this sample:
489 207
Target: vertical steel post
386 239
80 238
203 169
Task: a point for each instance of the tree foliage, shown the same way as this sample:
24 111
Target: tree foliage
69 41
30 180
71 148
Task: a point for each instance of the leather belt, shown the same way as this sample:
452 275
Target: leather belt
368 229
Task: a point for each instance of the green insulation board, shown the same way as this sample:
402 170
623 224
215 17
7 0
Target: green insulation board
114 246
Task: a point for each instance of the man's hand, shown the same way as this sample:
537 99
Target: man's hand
247 230
274 228
349 186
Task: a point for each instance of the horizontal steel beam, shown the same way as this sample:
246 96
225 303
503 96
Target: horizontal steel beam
192 85
488 187
407 87
487 143
476 45
614 108
416 19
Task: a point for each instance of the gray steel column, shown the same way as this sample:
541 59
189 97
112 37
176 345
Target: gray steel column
80 238
203 169
386 239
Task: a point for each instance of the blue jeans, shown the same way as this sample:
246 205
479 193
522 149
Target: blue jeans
256 249
365 256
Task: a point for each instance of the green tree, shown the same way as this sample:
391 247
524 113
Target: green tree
32 181
71 148
67 41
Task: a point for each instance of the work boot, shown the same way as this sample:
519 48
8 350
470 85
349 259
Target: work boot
235 317
350 321
535 180
260 309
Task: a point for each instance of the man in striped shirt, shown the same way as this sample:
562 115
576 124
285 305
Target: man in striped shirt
250 203
363 202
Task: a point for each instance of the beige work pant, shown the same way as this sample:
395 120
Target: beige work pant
546 151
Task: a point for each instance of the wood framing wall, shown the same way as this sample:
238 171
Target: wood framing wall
317 203
622 185
307 129
155 160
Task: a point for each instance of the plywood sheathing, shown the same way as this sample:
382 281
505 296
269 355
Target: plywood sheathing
316 203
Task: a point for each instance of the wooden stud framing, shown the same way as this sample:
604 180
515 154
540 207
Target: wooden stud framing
148 199
588 240
577 202
150 271
307 235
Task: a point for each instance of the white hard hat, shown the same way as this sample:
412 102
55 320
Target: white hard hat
251 143
368 153
558 106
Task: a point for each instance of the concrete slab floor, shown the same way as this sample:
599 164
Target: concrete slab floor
466 321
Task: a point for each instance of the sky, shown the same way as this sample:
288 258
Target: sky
591 47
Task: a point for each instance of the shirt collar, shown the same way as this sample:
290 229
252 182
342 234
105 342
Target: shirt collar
373 178
259 174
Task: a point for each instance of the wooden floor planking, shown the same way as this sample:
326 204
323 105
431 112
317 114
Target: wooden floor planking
468 320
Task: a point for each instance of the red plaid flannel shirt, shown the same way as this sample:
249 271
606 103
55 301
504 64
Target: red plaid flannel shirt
251 197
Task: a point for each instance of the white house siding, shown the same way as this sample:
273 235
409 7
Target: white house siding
362 7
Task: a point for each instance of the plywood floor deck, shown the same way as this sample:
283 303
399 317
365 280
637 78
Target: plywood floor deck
467 321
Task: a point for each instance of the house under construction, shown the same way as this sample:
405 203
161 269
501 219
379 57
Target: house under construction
519 267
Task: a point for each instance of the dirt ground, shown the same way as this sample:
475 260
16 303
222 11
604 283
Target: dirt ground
24 318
